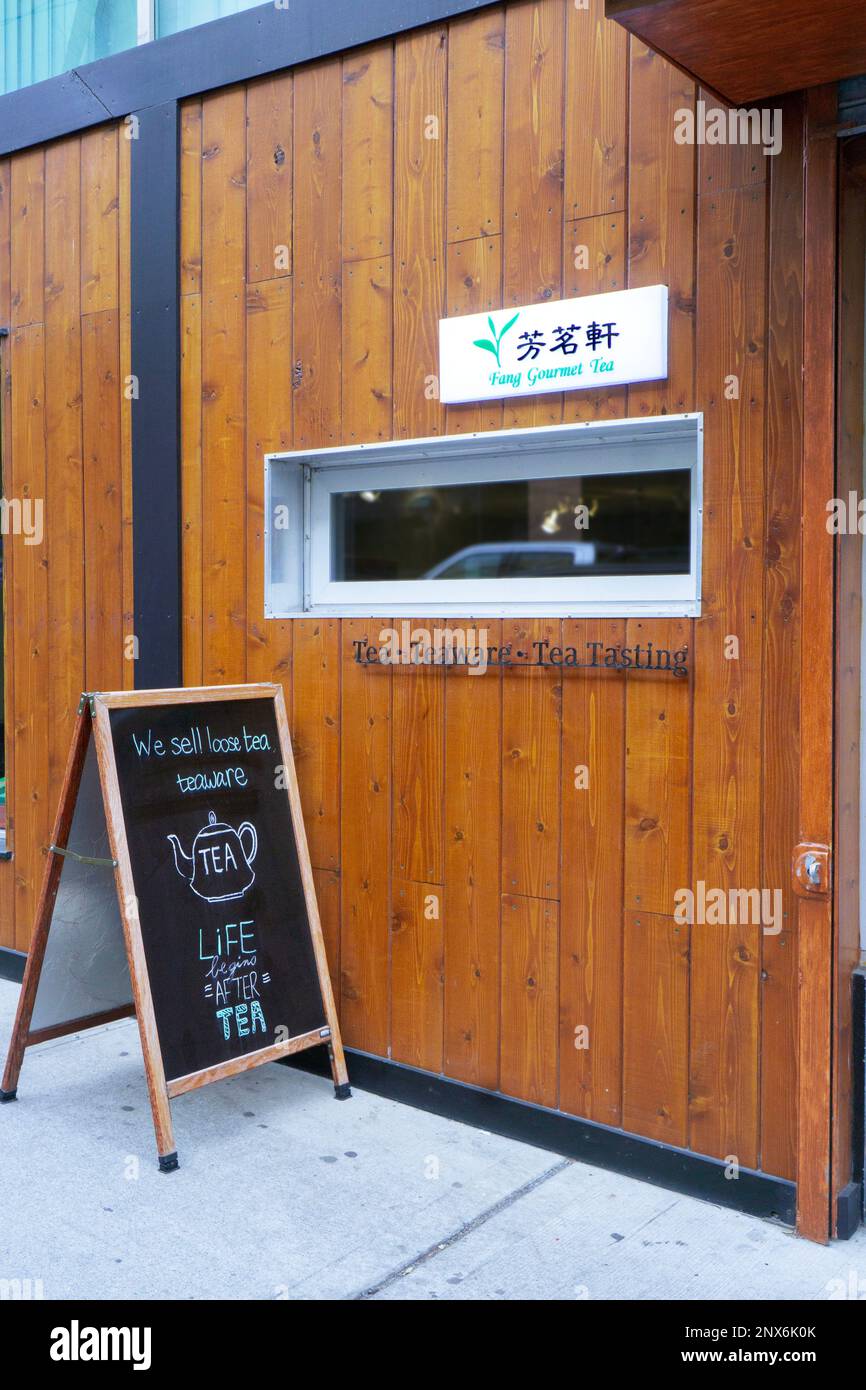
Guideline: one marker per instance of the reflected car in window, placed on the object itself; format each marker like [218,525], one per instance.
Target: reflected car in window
[529,559]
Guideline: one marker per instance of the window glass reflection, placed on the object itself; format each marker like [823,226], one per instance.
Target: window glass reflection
[174,15]
[43,38]
[613,524]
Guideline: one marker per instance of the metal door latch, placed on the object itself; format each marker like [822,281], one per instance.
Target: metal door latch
[811,870]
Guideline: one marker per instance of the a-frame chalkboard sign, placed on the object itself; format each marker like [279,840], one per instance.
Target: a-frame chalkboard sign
[209,932]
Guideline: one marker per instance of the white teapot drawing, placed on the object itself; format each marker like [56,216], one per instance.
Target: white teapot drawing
[220,866]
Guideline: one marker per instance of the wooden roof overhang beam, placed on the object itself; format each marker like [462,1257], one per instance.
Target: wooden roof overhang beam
[750,50]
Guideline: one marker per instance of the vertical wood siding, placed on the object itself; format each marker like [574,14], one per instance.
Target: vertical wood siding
[488,916]
[491,913]
[64,291]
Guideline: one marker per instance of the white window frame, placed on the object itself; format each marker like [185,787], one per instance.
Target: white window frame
[297,553]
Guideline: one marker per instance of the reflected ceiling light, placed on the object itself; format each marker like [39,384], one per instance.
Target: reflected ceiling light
[370,496]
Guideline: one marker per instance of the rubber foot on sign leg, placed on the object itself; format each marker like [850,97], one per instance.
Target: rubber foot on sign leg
[8,1095]
[168,1163]
[343,1091]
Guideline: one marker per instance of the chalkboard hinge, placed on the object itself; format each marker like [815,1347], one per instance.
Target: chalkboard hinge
[83,858]
[88,701]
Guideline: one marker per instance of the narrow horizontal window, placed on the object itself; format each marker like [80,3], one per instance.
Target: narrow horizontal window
[640,524]
[599,519]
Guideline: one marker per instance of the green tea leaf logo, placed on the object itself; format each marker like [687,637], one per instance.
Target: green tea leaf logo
[485,343]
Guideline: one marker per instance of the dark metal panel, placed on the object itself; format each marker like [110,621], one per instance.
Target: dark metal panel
[645,1159]
[858,1111]
[155,311]
[241,46]
[858,1029]
[47,110]
[849,1206]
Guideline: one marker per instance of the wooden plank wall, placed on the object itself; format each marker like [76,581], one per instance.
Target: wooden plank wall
[488,914]
[481,910]
[64,294]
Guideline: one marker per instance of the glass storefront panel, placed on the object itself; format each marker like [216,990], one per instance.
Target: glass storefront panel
[43,38]
[174,15]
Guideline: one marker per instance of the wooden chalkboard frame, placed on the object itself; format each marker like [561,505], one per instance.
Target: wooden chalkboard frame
[93,718]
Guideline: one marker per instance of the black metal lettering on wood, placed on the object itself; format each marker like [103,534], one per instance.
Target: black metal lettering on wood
[472,650]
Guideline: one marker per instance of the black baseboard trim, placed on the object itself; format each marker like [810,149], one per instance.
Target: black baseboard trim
[12,964]
[692,1174]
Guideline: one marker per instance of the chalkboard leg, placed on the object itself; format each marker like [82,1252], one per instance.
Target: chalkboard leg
[168,1163]
[8,1095]
[342,1089]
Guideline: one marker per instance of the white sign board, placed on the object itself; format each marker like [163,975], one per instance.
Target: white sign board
[567,345]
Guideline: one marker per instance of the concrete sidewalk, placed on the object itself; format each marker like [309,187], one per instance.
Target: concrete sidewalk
[283,1193]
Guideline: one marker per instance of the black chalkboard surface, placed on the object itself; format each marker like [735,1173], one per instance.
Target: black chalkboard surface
[213,889]
[216,873]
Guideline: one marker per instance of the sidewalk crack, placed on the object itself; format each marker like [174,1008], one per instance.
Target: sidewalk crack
[462,1232]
